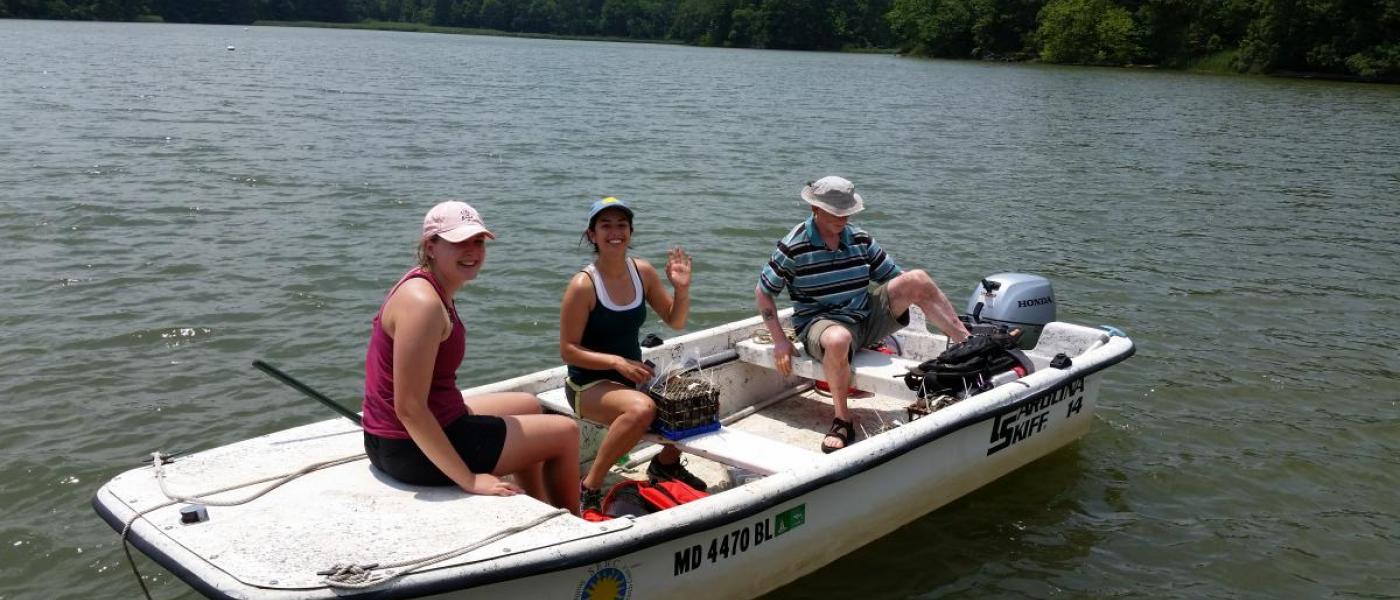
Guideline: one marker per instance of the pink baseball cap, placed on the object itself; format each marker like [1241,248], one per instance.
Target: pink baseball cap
[454,221]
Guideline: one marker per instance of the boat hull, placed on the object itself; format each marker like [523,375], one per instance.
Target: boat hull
[741,543]
[755,552]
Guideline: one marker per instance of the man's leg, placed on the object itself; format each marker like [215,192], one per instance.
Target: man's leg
[917,288]
[836,363]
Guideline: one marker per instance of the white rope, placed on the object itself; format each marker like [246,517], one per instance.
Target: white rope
[158,465]
[279,480]
[356,577]
[340,576]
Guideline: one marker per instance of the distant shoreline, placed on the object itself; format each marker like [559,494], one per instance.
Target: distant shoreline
[1216,64]
[422,28]
[1202,67]
[1211,68]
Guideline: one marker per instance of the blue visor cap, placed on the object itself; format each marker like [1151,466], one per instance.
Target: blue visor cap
[604,204]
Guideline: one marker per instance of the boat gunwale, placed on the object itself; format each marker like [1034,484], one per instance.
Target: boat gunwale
[643,537]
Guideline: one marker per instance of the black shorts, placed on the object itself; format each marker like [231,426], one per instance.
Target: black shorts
[478,439]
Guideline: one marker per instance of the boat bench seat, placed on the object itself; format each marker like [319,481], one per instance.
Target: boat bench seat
[873,371]
[726,445]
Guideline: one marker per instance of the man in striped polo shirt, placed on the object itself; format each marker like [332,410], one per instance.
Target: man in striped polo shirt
[846,292]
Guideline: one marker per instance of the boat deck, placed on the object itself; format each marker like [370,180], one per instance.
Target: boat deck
[350,513]
[785,433]
[802,420]
[798,421]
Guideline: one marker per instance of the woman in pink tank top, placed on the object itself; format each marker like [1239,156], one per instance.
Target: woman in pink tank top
[418,427]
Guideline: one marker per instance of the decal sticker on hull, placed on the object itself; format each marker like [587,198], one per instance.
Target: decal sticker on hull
[738,541]
[606,582]
[1020,422]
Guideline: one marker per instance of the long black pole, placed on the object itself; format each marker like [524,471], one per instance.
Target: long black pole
[303,388]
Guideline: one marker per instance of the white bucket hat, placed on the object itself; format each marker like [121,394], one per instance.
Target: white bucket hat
[835,195]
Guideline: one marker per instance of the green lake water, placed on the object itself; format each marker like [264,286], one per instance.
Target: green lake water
[171,210]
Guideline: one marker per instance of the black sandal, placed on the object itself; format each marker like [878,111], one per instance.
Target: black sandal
[841,429]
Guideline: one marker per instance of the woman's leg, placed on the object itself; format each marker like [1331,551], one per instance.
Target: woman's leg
[503,404]
[627,413]
[552,440]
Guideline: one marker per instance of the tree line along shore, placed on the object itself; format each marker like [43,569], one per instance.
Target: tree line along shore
[1345,39]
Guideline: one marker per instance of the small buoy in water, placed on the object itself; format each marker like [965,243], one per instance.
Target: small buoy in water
[230,48]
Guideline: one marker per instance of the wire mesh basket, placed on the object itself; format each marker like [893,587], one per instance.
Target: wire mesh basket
[686,405]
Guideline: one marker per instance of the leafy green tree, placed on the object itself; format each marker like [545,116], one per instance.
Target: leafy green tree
[1002,29]
[29,9]
[1173,32]
[643,19]
[418,11]
[1162,26]
[616,14]
[1347,36]
[463,13]
[935,27]
[655,20]
[357,10]
[862,23]
[1380,61]
[538,16]
[570,19]
[242,12]
[442,12]
[497,14]
[702,22]
[277,10]
[206,11]
[334,11]
[746,28]
[1085,32]
[798,24]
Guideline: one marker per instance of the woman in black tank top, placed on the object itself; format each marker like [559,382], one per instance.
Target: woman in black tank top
[599,322]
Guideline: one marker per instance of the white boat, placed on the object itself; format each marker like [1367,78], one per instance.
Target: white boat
[789,510]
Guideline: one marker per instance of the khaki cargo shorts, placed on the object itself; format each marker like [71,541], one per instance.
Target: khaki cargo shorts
[878,326]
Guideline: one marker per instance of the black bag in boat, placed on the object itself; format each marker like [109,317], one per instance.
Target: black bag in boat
[966,367]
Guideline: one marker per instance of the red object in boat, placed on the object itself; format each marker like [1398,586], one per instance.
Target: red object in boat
[823,386]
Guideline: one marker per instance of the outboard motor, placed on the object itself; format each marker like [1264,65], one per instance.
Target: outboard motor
[1013,300]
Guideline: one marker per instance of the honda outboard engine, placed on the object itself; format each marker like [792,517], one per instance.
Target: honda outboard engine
[1013,300]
